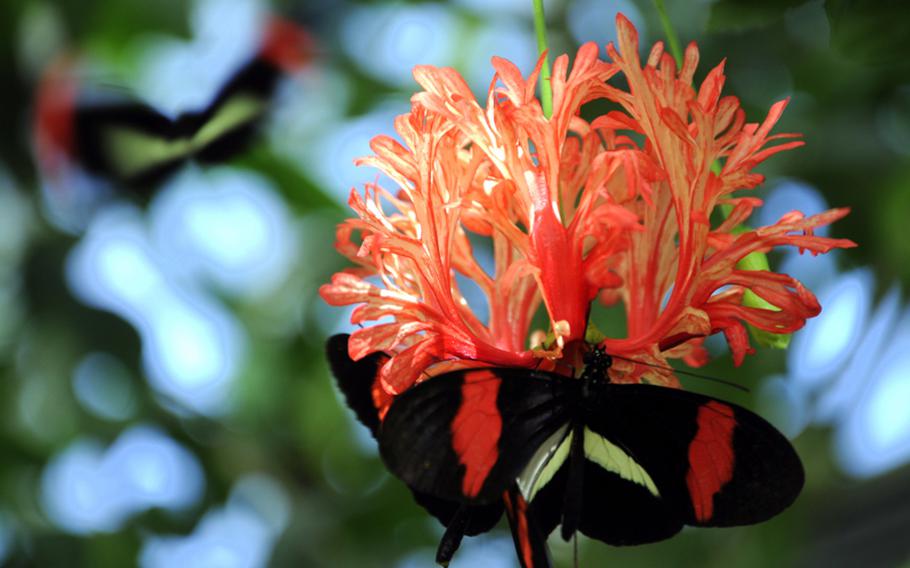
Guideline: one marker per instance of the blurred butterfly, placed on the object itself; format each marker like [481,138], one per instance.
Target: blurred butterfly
[134,145]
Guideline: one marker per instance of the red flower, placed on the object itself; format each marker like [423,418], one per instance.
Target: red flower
[679,253]
[573,211]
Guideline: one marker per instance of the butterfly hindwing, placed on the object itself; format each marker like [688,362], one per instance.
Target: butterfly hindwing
[620,504]
[767,474]
[530,540]
[466,435]
[656,459]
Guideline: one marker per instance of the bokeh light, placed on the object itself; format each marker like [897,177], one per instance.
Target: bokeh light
[503,37]
[225,227]
[875,436]
[332,160]
[177,76]
[824,346]
[387,41]
[589,20]
[87,489]
[7,534]
[238,535]
[192,347]
[841,395]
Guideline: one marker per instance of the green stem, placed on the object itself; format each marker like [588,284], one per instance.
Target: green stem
[672,40]
[546,89]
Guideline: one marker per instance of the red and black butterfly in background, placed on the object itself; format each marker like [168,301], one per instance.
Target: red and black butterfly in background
[133,145]
[622,463]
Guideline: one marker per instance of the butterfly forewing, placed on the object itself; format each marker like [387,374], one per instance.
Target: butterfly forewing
[715,462]
[356,381]
[128,141]
[467,435]
[229,123]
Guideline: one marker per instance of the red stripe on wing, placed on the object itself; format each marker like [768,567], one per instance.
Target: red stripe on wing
[55,103]
[286,45]
[711,457]
[518,516]
[476,429]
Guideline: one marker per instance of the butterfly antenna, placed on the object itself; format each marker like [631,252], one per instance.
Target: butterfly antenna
[689,373]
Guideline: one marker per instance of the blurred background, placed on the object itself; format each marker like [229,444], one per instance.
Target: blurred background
[165,400]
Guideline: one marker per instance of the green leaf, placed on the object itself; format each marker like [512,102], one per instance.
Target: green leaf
[593,335]
[859,33]
[757,261]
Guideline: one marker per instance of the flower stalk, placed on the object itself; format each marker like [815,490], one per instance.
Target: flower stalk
[540,30]
[669,32]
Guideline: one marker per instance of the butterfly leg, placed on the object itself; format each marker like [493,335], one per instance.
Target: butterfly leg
[451,539]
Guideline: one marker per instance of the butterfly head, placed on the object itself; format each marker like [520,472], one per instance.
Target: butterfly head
[597,362]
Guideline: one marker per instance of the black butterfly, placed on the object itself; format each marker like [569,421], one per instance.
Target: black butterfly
[625,464]
[136,146]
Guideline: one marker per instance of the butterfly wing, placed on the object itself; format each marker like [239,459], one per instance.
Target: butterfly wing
[230,123]
[356,381]
[103,134]
[136,146]
[467,435]
[128,142]
[616,501]
[717,463]
[530,540]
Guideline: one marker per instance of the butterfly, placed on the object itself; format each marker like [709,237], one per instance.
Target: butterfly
[136,146]
[625,464]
